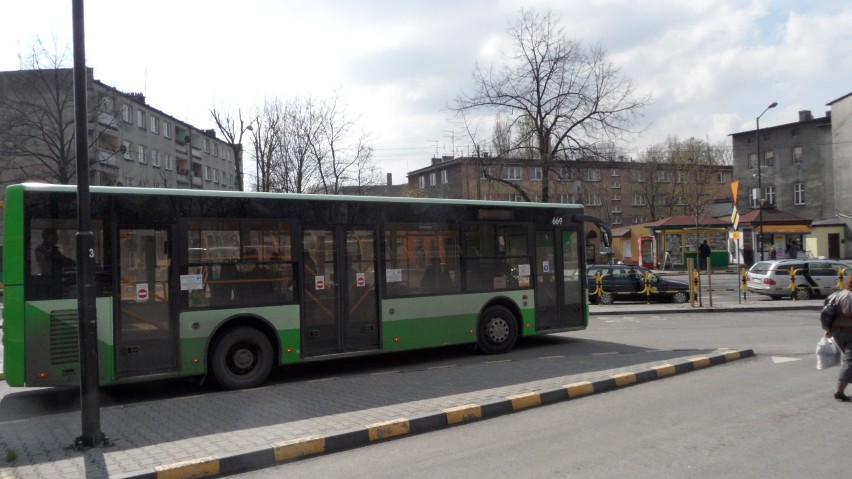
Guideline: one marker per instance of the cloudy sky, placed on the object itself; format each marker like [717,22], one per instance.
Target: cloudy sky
[711,66]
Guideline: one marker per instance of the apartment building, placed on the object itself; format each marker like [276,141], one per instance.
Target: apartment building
[622,192]
[131,142]
[805,170]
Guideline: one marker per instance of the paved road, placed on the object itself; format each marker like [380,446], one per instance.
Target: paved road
[160,424]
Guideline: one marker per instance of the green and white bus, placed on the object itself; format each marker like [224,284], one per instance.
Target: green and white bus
[229,285]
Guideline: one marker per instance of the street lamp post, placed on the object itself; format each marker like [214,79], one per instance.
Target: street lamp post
[760,182]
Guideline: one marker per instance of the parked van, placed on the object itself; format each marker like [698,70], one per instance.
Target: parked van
[814,277]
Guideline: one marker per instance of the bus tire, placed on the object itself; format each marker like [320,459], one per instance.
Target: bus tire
[497,330]
[242,358]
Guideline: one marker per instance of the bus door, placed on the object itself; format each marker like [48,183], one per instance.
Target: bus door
[559,287]
[339,291]
[146,331]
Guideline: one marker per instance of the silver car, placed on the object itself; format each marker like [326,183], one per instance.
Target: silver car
[814,277]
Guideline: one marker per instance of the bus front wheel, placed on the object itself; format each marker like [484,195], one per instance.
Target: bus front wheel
[498,330]
[242,358]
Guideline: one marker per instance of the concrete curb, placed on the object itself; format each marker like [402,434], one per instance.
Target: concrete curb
[620,310]
[312,446]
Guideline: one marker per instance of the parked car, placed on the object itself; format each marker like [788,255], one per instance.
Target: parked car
[627,283]
[814,277]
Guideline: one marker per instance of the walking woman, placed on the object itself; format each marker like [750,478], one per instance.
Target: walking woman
[841,330]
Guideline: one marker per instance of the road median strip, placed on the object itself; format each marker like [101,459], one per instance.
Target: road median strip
[314,445]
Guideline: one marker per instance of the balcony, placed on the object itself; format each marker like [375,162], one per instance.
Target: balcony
[183,178]
[196,182]
[107,158]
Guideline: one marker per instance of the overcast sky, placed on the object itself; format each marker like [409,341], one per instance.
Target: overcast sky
[711,66]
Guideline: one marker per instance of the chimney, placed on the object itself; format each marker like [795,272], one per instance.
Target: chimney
[805,115]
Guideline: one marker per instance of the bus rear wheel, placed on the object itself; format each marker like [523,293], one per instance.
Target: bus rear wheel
[242,358]
[498,330]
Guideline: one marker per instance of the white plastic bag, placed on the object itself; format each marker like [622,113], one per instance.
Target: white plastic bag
[828,354]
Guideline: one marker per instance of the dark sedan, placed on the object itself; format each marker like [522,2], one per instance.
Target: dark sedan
[633,283]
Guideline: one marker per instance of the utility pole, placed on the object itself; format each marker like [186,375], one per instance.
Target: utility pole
[85,243]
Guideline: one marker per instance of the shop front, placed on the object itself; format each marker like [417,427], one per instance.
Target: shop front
[780,236]
[678,240]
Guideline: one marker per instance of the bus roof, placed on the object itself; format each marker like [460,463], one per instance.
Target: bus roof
[125,190]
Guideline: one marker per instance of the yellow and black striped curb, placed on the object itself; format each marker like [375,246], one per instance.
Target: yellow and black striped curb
[310,446]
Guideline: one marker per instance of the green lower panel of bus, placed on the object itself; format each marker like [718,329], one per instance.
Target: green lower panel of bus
[429,332]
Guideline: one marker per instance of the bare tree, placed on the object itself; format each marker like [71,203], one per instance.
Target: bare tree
[37,118]
[343,152]
[563,97]
[233,130]
[696,162]
[266,141]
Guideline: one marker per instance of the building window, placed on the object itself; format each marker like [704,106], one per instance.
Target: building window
[128,150]
[155,158]
[140,118]
[592,174]
[421,182]
[513,173]
[486,196]
[593,199]
[484,174]
[769,191]
[515,197]
[639,199]
[752,161]
[723,178]
[682,177]
[155,125]
[206,145]
[215,175]
[168,162]
[799,194]
[565,174]
[126,113]
[433,179]
[566,199]
[638,176]
[615,172]
[753,200]
[140,154]
[615,184]
[661,199]
[616,197]
[167,129]
[444,179]
[207,173]
[661,176]
[798,155]
[616,219]
[535,173]
[769,158]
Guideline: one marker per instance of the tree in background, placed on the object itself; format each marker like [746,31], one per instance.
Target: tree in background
[308,145]
[37,118]
[561,97]
[233,129]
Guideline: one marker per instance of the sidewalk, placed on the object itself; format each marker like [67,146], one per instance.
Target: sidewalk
[753,303]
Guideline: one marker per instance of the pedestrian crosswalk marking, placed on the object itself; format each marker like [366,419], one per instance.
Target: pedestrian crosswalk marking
[779,359]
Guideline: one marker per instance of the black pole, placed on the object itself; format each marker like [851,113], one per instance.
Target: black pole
[86,308]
